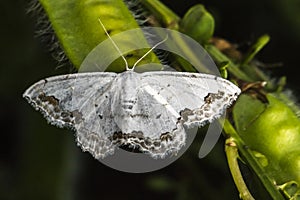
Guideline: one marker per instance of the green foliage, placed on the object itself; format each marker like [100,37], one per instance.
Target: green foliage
[77,27]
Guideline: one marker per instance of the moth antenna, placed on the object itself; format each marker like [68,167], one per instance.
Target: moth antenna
[139,60]
[115,45]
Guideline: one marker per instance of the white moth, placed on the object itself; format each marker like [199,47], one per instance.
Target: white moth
[146,111]
[143,110]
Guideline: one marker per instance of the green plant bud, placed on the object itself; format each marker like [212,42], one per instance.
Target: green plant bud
[198,23]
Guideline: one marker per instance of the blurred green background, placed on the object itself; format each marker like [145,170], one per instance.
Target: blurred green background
[39,161]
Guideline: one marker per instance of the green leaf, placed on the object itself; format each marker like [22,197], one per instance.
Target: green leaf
[76,25]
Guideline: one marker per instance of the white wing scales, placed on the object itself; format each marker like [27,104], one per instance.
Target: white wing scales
[70,101]
[146,111]
[198,98]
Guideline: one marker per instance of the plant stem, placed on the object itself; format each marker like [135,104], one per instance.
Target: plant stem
[231,151]
[247,154]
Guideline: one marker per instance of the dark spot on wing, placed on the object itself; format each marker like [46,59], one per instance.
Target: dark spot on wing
[56,109]
[185,113]
[65,114]
[78,116]
[46,81]
[136,142]
[127,107]
[54,112]
[212,96]
[166,136]
[130,101]
[208,99]
[139,116]
[49,99]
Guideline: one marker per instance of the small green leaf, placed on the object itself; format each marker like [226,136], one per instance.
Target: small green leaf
[223,69]
[255,48]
